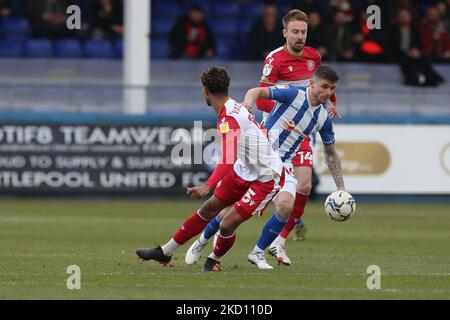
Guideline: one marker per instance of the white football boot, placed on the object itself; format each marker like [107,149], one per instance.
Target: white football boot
[278,251]
[194,252]
[259,259]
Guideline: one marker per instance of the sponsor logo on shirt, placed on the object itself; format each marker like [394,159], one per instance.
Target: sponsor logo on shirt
[224,127]
[267,69]
[289,125]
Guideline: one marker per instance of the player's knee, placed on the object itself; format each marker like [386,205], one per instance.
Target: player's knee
[304,187]
[284,207]
[227,227]
[208,210]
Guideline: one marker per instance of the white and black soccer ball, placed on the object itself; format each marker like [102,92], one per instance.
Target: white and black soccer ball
[340,206]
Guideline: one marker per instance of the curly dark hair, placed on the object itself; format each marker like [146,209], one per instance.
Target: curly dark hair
[216,80]
[327,73]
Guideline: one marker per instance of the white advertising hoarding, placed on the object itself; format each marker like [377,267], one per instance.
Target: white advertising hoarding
[389,159]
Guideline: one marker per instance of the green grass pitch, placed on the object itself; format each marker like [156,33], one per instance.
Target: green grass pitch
[40,239]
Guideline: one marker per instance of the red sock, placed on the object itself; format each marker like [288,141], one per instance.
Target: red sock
[224,244]
[191,227]
[299,207]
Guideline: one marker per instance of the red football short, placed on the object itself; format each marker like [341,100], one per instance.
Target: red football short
[304,155]
[248,197]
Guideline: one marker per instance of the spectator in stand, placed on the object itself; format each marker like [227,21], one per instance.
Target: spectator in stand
[395,6]
[265,35]
[444,13]
[191,36]
[343,6]
[48,18]
[106,19]
[434,37]
[317,34]
[339,38]
[369,44]
[5,8]
[306,6]
[404,41]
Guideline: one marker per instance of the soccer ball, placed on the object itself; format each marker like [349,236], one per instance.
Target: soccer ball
[340,206]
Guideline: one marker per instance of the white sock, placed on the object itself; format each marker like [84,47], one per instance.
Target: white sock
[257,249]
[170,247]
[213,256]
[202,239]
[279,241]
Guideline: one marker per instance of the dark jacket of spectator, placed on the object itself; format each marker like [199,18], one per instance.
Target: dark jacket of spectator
[48,18]
[404,42]
[191,36]
[317,34]
[106,19]
[339,39]
[435,38]
[265,35]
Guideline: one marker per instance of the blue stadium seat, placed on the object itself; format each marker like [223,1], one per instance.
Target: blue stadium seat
[253,10]
[160,49]
[244,28]
[11,48]
[226,10]
[225,50]
[15,26]
[39,48]
[101,49]
[118,49]
[166,9]
[161,27]
[68,48]
[202,3]
[227,29]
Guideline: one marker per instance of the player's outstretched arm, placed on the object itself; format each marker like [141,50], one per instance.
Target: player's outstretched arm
[253,94]
[334,165]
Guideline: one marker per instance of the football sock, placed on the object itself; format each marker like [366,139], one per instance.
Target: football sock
[271,230]
[170,247]
[299,208]
[224,244]
[279,240]
[191,227]
[211,229]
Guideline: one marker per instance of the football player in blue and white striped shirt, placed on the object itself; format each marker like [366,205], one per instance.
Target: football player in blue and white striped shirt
[299,112]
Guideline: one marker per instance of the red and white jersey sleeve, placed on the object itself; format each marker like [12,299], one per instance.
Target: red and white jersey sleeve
[270,76]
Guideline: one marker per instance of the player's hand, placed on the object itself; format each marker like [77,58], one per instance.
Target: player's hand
[199,191]
[333,110]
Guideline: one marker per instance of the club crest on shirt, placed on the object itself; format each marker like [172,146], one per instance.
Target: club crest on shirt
[289,125]
[310,64]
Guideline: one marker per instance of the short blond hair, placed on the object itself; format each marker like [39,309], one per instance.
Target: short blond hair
[295,14]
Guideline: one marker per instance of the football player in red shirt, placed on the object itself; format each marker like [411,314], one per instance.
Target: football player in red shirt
[250,175]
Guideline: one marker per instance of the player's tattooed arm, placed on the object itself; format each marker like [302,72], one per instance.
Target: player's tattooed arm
[334,165]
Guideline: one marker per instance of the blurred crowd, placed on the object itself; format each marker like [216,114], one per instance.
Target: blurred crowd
[337,28]
[414,30]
